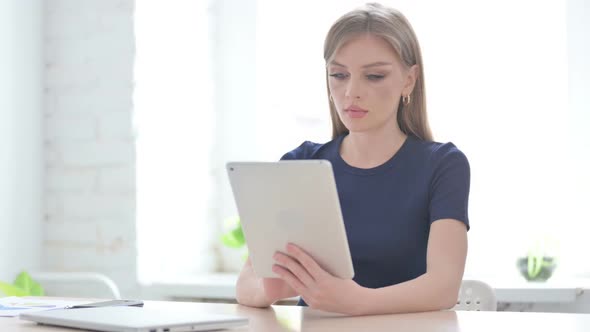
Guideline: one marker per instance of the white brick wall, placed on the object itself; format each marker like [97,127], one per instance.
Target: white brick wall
[89,139]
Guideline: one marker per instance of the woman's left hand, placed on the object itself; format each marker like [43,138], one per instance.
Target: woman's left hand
[318,288]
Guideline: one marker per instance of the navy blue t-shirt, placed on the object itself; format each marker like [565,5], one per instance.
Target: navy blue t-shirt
[388,209]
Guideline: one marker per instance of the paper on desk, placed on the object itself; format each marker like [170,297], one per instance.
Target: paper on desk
[14,306]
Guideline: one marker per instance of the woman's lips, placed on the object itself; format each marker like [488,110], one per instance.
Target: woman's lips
[356,112]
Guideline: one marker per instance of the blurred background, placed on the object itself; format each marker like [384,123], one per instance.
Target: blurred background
[118,116]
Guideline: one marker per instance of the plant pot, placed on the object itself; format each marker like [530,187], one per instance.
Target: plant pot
[542,273]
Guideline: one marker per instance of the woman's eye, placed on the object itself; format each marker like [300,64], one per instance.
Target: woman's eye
[373,77]
[338,76]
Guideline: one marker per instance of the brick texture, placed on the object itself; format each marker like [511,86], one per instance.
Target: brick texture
[89,139]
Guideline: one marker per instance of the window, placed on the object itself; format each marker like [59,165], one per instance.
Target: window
[175,122]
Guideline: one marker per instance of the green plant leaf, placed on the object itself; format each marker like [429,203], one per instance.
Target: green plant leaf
[234,237]
[534,264]
[11,290]
[37,290]
[238,234]
[229,240]
[24,282]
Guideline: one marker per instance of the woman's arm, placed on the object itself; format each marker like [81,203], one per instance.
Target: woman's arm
[260,292]
[438,288]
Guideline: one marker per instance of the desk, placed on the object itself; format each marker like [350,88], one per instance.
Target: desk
[291,318]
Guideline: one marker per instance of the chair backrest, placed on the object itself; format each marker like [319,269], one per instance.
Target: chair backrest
[77,284]
[476,295]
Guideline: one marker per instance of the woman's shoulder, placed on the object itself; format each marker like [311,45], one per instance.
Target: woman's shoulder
[438,152]
[309,150]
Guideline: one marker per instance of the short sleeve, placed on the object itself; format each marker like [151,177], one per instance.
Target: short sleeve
[306,150]
[449,188]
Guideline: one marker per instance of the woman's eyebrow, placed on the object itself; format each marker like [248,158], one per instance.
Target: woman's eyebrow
[373,64]
[378,64]
[334,63]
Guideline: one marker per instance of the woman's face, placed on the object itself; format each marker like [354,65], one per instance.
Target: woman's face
[366,80]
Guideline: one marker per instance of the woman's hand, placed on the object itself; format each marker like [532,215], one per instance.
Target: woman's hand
[318,288]
[277,289]
[258,292]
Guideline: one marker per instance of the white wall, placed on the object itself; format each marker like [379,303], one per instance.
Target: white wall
[579,67]
[579,86]
[20,135]
[578,193]
[89,139]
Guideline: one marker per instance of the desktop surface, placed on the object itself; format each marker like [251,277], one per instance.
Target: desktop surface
[293,318]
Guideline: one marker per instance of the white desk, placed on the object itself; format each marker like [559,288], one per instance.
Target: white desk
[292,319]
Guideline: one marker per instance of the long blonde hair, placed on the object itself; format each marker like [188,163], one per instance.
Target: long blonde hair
[393,27]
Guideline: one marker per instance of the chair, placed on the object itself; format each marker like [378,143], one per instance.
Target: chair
[476,295]
[77,284]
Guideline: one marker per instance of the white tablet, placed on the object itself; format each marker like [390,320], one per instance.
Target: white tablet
[291,201]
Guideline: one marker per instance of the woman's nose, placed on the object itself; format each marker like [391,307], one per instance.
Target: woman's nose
[354,89]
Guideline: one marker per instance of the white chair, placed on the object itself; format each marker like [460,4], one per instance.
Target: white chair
[476,295]
[77,284]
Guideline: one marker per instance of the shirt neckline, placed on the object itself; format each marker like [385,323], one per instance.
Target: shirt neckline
[369,171]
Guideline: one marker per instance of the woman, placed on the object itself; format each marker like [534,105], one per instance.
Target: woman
[403,196]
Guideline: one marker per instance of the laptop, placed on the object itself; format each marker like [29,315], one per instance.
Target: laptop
[135,319]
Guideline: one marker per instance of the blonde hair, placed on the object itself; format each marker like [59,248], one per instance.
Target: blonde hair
[393,27]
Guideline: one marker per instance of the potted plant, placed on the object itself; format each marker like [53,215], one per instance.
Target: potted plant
[233,237]
[537,265]
[23,285]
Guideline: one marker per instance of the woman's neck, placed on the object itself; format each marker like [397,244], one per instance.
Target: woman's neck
[371,149]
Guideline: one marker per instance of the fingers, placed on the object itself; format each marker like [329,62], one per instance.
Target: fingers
[289,278]
[310,265]
[300,271]
[295,268]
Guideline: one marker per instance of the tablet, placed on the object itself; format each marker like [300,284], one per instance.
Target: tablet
[294,201]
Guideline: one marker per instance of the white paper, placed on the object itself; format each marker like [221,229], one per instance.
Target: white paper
[14,306]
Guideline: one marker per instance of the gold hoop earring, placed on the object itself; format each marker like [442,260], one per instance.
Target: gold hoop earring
[406,99]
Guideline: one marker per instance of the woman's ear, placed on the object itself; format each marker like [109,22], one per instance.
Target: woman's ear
[411,76]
